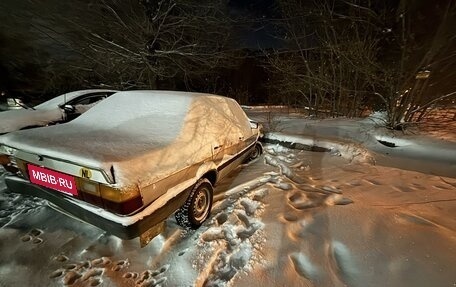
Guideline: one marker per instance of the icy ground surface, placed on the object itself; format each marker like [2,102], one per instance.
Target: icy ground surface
[290,218]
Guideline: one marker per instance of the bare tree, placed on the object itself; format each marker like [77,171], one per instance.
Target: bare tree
[331,54]
[135,44]
[412,86]
[342,57]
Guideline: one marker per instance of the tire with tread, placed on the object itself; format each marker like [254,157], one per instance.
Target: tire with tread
[198,206]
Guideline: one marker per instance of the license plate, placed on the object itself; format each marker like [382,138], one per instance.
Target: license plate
[52,179]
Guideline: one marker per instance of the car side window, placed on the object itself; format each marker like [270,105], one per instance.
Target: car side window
[89,100]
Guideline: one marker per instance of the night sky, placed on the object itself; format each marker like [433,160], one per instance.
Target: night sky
[261,33]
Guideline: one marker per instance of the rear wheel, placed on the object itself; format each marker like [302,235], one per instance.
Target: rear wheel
[257,151]
[197,207]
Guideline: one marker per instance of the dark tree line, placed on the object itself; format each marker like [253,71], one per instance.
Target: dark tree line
[333,57]
[130,44]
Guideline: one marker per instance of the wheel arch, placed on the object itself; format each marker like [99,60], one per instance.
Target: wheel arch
[211,176]
[258,144]
[208,170]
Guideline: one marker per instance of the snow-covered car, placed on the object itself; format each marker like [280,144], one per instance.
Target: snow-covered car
[134,159]
[60,109]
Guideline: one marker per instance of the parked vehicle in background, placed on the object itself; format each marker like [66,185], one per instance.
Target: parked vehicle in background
[60,109]
[133,160]
[15,104]
[8,102]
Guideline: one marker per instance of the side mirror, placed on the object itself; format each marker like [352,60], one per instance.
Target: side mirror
[69,108]
[253,125]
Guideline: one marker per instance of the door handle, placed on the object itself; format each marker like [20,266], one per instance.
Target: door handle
[219,146]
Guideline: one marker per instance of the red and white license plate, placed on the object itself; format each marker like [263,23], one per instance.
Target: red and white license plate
[52,179]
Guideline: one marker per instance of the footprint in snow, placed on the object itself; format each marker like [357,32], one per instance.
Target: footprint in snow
[299,200]
[70,266]
[344,263]
[35,232]
[95,282]
[120,265]
[289,217]
[26,238]
[221,218]
[56,273]
[337,199]
[92,273]
[32,236]
[237,228]
[182,252]
[61,258]
[37,240]
[303,266]
[71,277]
[101,261]
[148,277]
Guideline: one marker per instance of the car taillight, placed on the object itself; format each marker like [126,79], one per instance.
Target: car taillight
[121,201]
[88,186]
[9,163]
[4,159]
[89,191]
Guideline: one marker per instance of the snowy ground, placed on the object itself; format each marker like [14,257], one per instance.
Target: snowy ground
[290,218]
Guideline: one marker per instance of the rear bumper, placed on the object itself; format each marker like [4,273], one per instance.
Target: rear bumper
[70,206]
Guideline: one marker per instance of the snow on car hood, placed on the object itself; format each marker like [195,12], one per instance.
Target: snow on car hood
[143,135]
[17,119]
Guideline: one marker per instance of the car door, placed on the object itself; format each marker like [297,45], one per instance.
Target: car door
[236,139]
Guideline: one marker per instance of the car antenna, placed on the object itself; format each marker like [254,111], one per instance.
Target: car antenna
[64,104]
